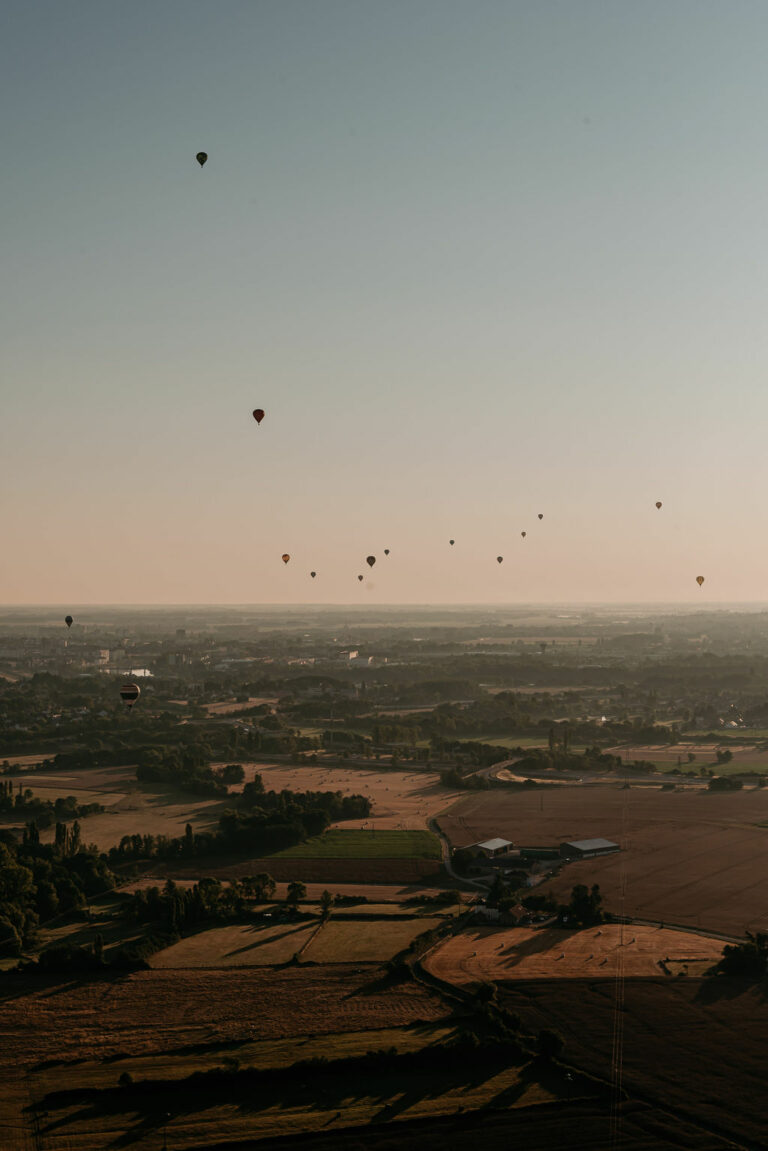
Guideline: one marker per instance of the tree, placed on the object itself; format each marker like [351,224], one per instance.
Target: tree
[584,908]
[296,892]
[549,1044]
[233,773]
[326,903]
[723,755]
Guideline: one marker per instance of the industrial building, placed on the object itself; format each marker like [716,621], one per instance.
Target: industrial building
[588,848]
[492,847]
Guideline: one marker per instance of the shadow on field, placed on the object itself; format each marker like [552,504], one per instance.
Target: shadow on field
[546,940]
[269,939]
[727,987]
[143,1108]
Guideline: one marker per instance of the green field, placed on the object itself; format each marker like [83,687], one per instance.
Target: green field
[342,844]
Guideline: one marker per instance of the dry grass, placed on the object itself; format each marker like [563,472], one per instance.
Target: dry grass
[238,946]
[596,952]
[348,942]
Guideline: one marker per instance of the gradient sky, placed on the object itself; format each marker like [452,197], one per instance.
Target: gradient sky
[476,260]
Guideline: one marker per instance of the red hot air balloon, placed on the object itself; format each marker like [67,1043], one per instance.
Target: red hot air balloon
[129,693]
[370,560]
[258,415]
[68,620]
[201,157]
[285,557]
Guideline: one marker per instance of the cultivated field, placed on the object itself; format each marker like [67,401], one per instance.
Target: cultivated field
[694,858]
[400,799]
[368,844]
[357,941]
[237,946]
[596,952]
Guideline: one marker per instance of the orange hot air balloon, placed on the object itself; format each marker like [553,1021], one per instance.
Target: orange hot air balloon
[699,580]
[658,503]
[370,560]
[360,578]
[258,415]
[68,620]
[285,557]
[523,534]
[499,559]
[541,515]
[129,693]
[201,157]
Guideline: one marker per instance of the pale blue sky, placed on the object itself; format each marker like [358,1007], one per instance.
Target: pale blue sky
[476,261]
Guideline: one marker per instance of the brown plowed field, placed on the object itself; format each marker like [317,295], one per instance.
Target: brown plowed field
[695,1048]
[154,1011]
[693,858]
[527,953]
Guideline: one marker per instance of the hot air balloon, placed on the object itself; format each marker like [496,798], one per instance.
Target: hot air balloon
[386,551]
[313,574]
[360,578]
[658,503]
[129,693]
[523,534]
[451,542]
[699,580]
[370,560]
[258,415]
[285,557]
[201,158]
[499,559]
[68,620]
[541,515]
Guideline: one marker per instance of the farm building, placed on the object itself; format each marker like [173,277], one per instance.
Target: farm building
[587,848]
[492,847]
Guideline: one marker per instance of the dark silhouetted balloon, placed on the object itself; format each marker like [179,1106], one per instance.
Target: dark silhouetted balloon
[699,580]
[68,620]
[201,158]
[285,557]
[386,551]
[360,578]
[541,515]
[523,534]
[658,503]
[499,559]
[370,560]
[258,415]
[451,542]
[129,693]
[313,574]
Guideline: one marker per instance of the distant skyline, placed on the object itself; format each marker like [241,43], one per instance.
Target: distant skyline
[476,262]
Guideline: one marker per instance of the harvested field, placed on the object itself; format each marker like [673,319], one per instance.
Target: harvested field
[596,952]
[331,873]
[691,1047]
[161,1010]
[694,858]
[400,799]
[349,942]
[237,946]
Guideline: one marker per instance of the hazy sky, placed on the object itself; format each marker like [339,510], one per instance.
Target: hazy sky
[476,260]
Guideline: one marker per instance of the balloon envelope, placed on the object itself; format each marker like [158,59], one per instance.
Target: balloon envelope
[360,578]
[313,574]
[541,515]
[68,620]
[451,542]
[386,551]
[201,158]
[258,415]
[699,580]
[285,557]
[129,693]
[523,534]
[499,559]
[658,503]
[370,560]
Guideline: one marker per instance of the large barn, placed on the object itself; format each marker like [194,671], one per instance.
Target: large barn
[587,848]
[492,847]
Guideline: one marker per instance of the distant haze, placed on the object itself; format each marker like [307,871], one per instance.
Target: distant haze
[475,261]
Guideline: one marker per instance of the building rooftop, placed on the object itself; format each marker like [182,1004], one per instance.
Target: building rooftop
[494,844]
[591,844]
